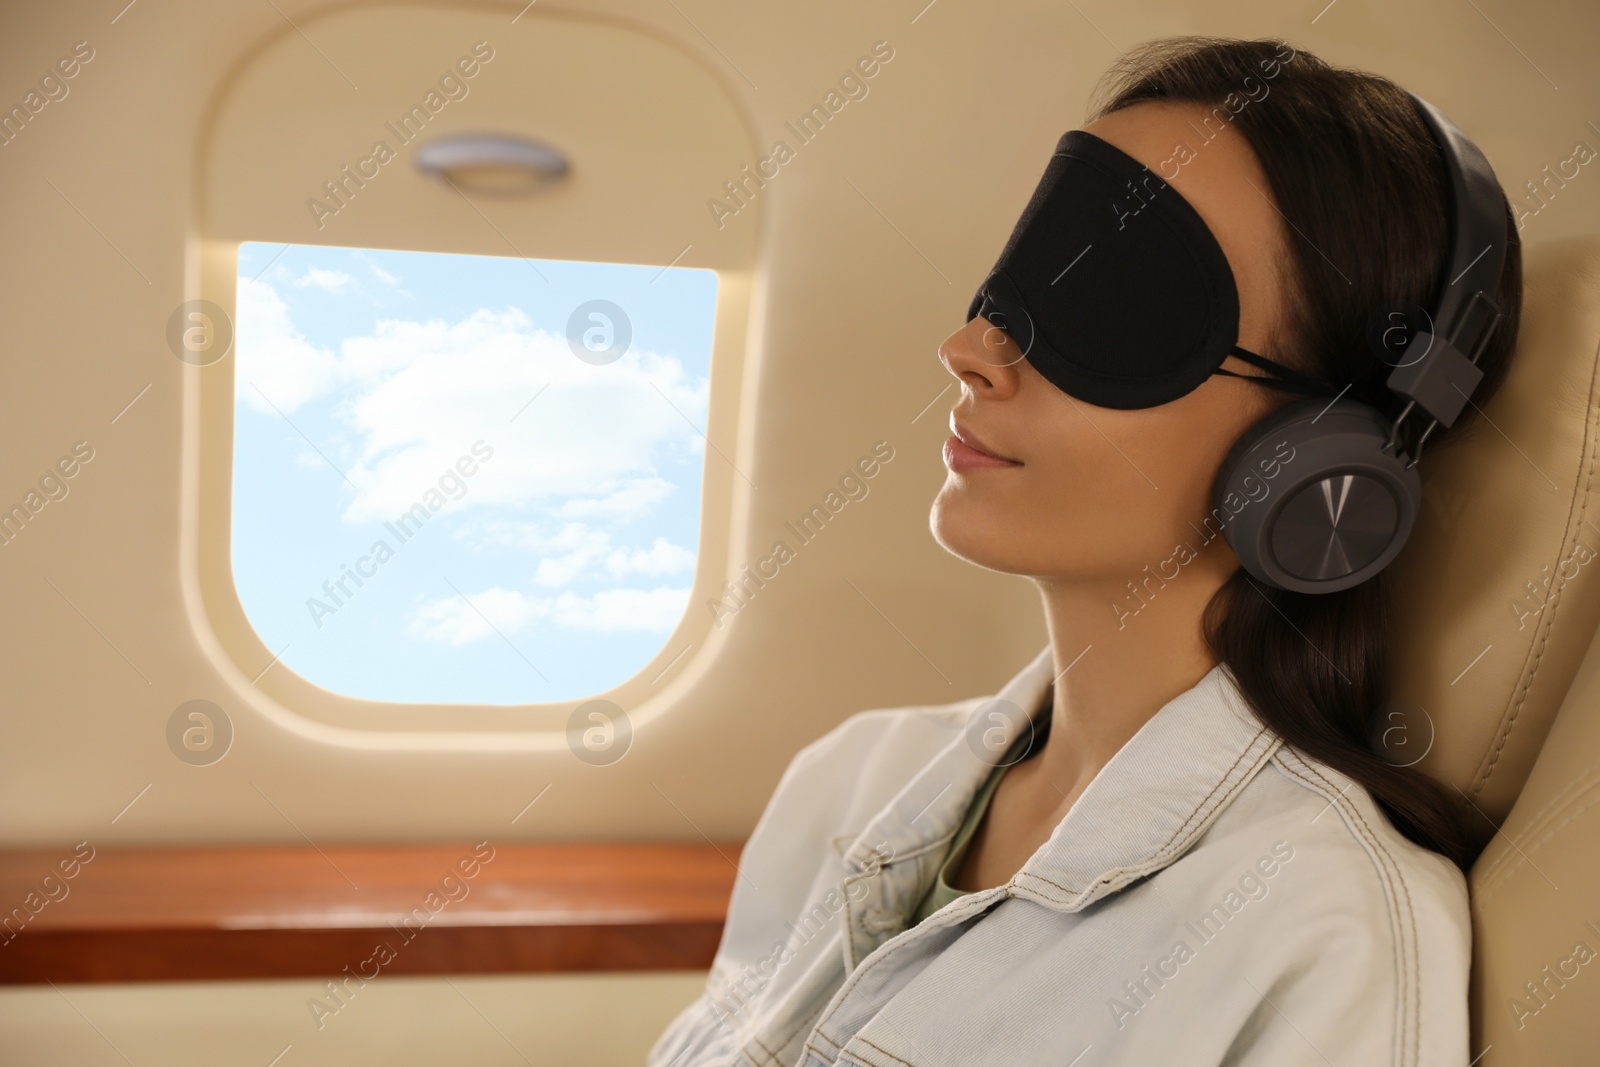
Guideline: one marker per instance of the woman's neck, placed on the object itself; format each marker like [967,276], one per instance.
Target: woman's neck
[1113,674]
[1114,670]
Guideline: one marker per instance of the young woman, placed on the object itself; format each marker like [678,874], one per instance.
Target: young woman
[1171,838]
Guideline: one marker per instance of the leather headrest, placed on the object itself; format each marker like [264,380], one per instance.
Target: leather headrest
[1495,593]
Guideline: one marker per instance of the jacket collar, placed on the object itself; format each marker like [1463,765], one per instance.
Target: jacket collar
[1143,810]
[928,810]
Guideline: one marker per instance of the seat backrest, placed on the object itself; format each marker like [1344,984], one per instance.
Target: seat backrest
[1497,601]
[1536,901]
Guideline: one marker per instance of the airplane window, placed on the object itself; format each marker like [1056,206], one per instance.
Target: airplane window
[466,479]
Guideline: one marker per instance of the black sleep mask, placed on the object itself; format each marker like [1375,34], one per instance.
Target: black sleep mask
[1114,287]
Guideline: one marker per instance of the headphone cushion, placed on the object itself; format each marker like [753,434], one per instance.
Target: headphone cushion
[1310,502]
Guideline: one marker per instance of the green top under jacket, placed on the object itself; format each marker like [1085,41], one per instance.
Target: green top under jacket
[942,892]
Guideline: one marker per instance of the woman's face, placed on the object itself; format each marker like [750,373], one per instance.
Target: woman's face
[1097,493]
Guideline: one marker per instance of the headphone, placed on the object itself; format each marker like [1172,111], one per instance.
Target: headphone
[1340,506]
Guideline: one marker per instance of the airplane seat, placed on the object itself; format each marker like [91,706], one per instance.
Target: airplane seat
[1497,665]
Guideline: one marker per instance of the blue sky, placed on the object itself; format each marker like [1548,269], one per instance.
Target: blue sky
[554,501]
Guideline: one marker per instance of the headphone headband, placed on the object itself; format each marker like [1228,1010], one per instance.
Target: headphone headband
[1478,244]
[1341,499]
[1464,312]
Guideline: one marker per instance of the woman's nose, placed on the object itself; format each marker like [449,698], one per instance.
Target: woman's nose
[983,357]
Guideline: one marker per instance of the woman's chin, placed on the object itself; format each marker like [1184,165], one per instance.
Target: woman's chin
[965,534]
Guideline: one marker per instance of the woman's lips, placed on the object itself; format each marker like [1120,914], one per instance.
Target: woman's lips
[963,452]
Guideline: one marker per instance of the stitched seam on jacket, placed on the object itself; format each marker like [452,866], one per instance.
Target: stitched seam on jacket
[854,978]
[885,1051]
[1398,877]
[860,920]
[815,1022]
[1546,619]
[1186,822]
[748,1050]
[771,1056]
[1220,783]
[809,1047]
[811,1024]
[1411,995]
[879,1048]
[926,846]
[829,1040]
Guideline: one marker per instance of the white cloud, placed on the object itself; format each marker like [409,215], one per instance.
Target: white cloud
[582,547]
[332,281]
[652,610]
[415,396]
[635,498]
[452,621]
[382,275]
[662,557]
[428,390]
[590,449]
[578,551]
[276,362]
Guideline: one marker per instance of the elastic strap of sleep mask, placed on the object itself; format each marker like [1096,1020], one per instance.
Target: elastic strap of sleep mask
[1287,377]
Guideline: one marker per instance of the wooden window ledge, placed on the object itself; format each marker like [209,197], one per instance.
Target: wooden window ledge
[177,914]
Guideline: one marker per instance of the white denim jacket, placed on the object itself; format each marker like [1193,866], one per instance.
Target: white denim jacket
[1213,897]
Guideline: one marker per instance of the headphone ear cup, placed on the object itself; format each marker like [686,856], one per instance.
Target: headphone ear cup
[1310,502]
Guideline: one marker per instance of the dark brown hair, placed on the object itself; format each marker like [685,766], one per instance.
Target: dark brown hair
[1363,188]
